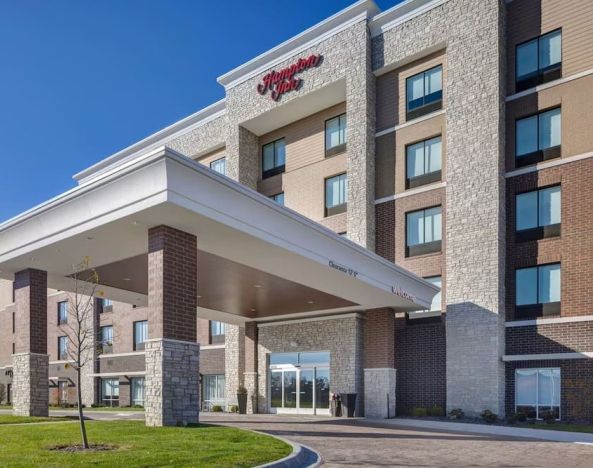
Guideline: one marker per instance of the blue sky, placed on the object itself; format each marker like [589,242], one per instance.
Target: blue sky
[82,79]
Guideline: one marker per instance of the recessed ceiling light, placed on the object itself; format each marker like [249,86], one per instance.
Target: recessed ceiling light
[310,302]
[90,238]
[199,297]
[257,285]
[127,279]
[252,310]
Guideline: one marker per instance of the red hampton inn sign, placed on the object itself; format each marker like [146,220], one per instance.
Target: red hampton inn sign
[280,82]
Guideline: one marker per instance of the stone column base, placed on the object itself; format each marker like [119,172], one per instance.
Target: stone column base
[250,379]
[30,385]
[379,393]
[172,382]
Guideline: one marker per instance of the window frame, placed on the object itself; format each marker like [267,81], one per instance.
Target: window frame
[112,399]
[62,320]
[106,307]
[539,309]
[426,247]
[64,356]
[274,198]
[550,73]
[425,108]
[426,177]
[216,338]
[138,346]
[213,163]
[335,209]
[538,155]
[277,169]
[106,348]
[133,383]
[537,405]
[340,147]
[540,231]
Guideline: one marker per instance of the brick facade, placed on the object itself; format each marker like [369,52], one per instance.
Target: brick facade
[550,338]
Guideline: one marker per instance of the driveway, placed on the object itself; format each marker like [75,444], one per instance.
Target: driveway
[358,443]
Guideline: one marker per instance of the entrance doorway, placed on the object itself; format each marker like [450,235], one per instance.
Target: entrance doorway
[299,383]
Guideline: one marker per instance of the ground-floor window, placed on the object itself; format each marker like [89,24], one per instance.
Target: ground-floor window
[138,391]
[110,392]
[537,391]
[300,382]
[62,392]
[213,391]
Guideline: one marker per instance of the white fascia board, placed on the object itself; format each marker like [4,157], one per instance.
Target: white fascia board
[401,13]
[155,140]
[361,10]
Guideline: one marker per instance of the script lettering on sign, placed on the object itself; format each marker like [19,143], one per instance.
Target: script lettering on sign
[402,293]
[280,82]
[343,269]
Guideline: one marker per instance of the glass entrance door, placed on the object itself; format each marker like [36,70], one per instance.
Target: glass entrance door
[298,384]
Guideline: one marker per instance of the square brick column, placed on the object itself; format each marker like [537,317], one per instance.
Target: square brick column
[172,352]
[250,374]
[30,363]
[379,364]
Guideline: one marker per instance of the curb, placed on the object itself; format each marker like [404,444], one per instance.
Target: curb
[300,457]
[541,434]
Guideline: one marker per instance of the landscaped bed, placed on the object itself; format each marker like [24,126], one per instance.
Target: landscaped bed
[132,443]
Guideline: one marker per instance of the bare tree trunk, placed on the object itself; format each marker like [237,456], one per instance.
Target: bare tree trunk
[85,442]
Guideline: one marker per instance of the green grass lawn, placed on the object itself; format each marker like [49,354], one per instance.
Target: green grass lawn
[11,419]
[561,427]
[138,445]
[5,406]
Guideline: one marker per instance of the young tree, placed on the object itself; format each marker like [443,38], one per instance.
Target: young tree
[82,334]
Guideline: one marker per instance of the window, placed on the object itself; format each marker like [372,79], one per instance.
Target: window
[110,392]
[537,291]
[138,391]
[538,137]
[424,93]
[435,307]
[216,332]
[62,348]
[336,194]
[213,391]
[335,135]
[62,312]
[278,198]
[107,339]
[537,391]
[423,231]
[273,158]
[538,213]
[423,162]
[539,60]
[140,334]
[219,166]
[107,305]
[62,392]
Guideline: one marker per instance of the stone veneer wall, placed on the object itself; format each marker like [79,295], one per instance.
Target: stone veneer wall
[473,35]
[30,384]
[172,381]
[342,337]
[234,360]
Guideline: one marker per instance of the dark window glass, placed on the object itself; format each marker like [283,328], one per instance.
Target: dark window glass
[140,334]
[539,60]
[336,194]
[424,92]
[273,158]
[62,312]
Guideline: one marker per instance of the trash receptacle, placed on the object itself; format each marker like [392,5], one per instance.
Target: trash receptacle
[348,404]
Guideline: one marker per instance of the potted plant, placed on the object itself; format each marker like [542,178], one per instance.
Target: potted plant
[242,399]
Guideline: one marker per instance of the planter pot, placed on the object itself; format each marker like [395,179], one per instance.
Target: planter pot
[242,402]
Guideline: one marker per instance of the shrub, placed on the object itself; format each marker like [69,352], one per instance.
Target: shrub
[456,413]
[436,410]
[233,408]
[489,416]
[217,409]
[549,417]
[420,412]
[521,416]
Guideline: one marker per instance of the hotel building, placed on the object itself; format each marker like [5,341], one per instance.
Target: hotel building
[393,204]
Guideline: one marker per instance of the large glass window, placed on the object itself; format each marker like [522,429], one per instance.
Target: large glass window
[138,391]
[424,92]
[539,60]
[423,231]
[273,158]
[538,286]
[538,137]
[539,209]
[107,339]
[62,312]
[213,391]
[140,334]
[423,162]
[336,194]
[335,135]
[219,166]
[62,348]
[298,359]
[216,332]
[110,392]
[537,391]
